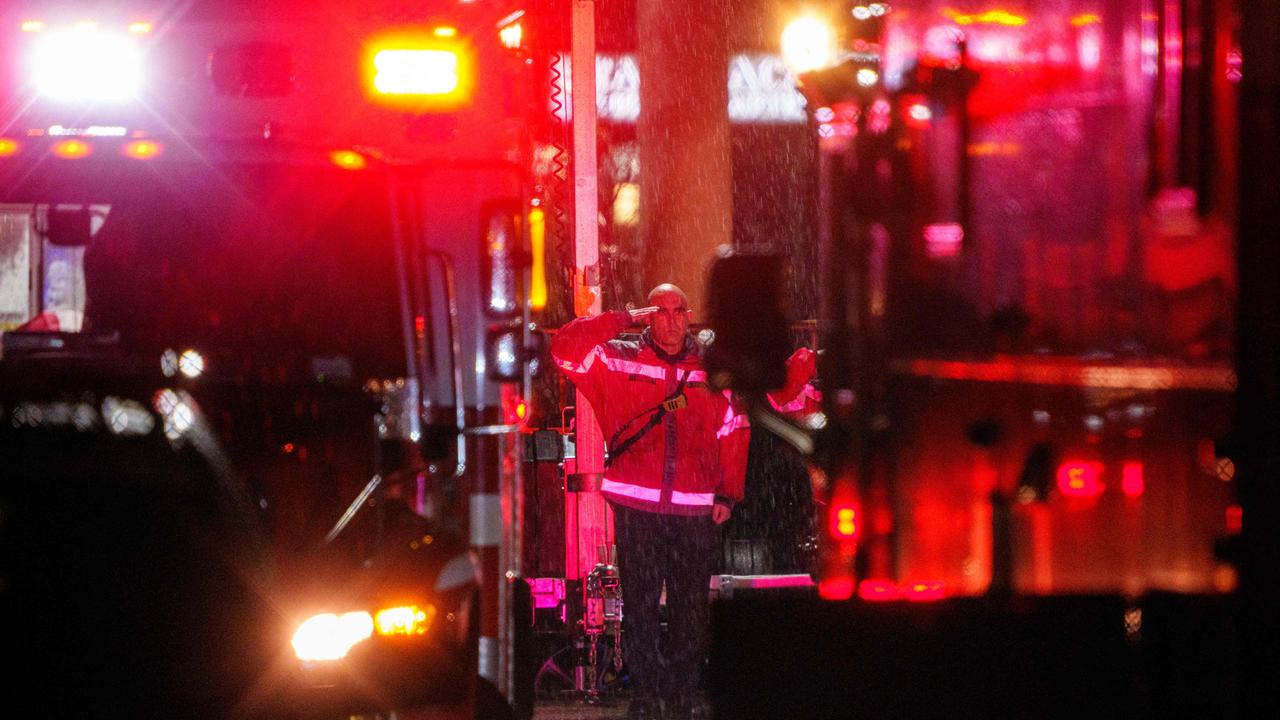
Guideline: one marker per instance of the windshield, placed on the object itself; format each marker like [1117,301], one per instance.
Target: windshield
[269,271]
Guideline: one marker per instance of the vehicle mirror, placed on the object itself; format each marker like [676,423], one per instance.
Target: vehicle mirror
[752,341]
[69,228]
[503,261]
[504,353]
[508,352]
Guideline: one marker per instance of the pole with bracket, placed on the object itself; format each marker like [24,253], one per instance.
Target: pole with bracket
[586,516]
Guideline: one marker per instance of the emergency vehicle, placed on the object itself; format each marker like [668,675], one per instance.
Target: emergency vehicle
[1025,455]
[276,255]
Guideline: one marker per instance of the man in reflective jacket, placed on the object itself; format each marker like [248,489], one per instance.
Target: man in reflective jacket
[675,468]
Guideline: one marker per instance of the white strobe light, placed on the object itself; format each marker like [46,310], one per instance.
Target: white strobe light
[85,64]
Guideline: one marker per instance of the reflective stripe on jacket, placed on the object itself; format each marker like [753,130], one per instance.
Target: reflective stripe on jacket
[696,456]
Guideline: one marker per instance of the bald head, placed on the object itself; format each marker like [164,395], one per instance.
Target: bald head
[667,289]
[669,322]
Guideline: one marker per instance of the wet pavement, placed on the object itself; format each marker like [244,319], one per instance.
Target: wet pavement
[571,708]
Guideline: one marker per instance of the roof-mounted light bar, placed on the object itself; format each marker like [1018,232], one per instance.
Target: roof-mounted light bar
[90,131]
[84,63]
[415,72]
[419,71]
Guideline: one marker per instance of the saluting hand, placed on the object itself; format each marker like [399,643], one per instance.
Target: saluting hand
[640,315]
[584,297]
[802,366]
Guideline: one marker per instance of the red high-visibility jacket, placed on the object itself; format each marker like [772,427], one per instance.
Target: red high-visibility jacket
[694,458]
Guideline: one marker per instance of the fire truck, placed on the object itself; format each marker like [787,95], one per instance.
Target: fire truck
[267,300]
[1027,450]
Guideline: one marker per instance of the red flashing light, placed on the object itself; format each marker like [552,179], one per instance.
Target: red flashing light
[836,588]
[1206,453]
[9,146]
[879,590]
[1234,72]
[880,115]
[1080,478]
[1235,519]
[844,524]
[943,240]
[922,591]
[846,521]
[514,407]
[1131,479]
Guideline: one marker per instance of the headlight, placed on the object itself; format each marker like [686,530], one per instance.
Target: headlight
[330,637]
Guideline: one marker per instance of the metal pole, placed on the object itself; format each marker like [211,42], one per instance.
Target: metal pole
[586,519]
[589,443]
[586,236]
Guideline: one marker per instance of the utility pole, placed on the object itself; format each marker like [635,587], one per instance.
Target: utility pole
[587,526]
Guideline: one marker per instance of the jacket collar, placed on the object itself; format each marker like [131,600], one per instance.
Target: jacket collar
[687,351]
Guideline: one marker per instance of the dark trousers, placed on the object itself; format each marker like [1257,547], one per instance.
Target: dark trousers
[678,549]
